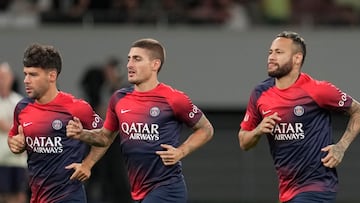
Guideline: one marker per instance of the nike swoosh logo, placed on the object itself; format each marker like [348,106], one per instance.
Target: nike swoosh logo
[27,124]
[266,112]
[124,110]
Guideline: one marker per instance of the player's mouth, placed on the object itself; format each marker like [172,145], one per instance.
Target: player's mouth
[271,65]
[131,73]
[28,90]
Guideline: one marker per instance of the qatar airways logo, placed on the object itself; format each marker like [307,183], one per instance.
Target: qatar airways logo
[141,131]
[45,145]
[288,131]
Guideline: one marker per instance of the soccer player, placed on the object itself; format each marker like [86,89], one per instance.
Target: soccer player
[293,110]
[39,127]
[149,116]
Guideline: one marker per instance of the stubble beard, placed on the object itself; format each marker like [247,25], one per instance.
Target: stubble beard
[34,95]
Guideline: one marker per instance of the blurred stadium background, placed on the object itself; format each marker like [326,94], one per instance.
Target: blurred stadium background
[216,52]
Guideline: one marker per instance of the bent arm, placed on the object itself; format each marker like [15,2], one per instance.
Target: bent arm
[353,126]
[95,154]
[336,151]
[248,139]
[98,137]
[203,132]
[82,171]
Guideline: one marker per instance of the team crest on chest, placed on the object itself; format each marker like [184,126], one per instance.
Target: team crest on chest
[56,124]
[299,110]
[154,111]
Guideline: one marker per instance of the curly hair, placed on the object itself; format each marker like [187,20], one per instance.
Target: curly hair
[42,56]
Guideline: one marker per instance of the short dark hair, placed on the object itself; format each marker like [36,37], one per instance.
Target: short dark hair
[42,56]
[297,40]
[154,46]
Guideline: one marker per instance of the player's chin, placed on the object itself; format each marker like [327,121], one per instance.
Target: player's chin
[132,80]
[271,69]
[29,92]
[31,95]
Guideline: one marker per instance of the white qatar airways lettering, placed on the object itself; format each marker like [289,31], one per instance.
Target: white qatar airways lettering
[48,145]
[288,131]
[141,131]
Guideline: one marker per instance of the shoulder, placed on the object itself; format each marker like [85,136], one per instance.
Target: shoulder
[65,97]
[314,85]
[125,90]
[22,104]
[72,103]
[175,98]
[266,84]
[118,94]
[263,86]
[173,95]
[325,93]
[25,101]
[169,90]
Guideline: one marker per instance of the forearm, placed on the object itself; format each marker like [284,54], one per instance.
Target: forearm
[353,126]
[95,154]
[248,139]
[95,137]
[352,130]
[197,139]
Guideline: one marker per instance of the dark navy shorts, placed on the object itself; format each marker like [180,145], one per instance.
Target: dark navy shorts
[314,197]
[13,179]
[174,193]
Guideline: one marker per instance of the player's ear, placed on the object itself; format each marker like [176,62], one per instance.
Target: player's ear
[298,57]
[156,64]
[53,75]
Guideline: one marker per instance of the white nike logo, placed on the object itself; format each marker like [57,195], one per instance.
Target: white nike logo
[27,124]
[266,112]
[124,110]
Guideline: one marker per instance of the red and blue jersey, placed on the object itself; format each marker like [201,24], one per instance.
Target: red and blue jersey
[48,148]
[144,121]
[305,128]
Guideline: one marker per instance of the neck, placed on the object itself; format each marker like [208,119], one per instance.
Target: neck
[287,81]
[147,86]
[49,96]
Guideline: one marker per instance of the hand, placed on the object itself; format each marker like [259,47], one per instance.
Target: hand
[74,128]
[267,125]
[81,173]
[171,155]
[17,143]
[334,156]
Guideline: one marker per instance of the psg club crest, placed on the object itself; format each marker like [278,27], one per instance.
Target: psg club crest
[299,110]
[56,124]
[154,111]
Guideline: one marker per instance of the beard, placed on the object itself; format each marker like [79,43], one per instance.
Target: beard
[281,71]
[34,95]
